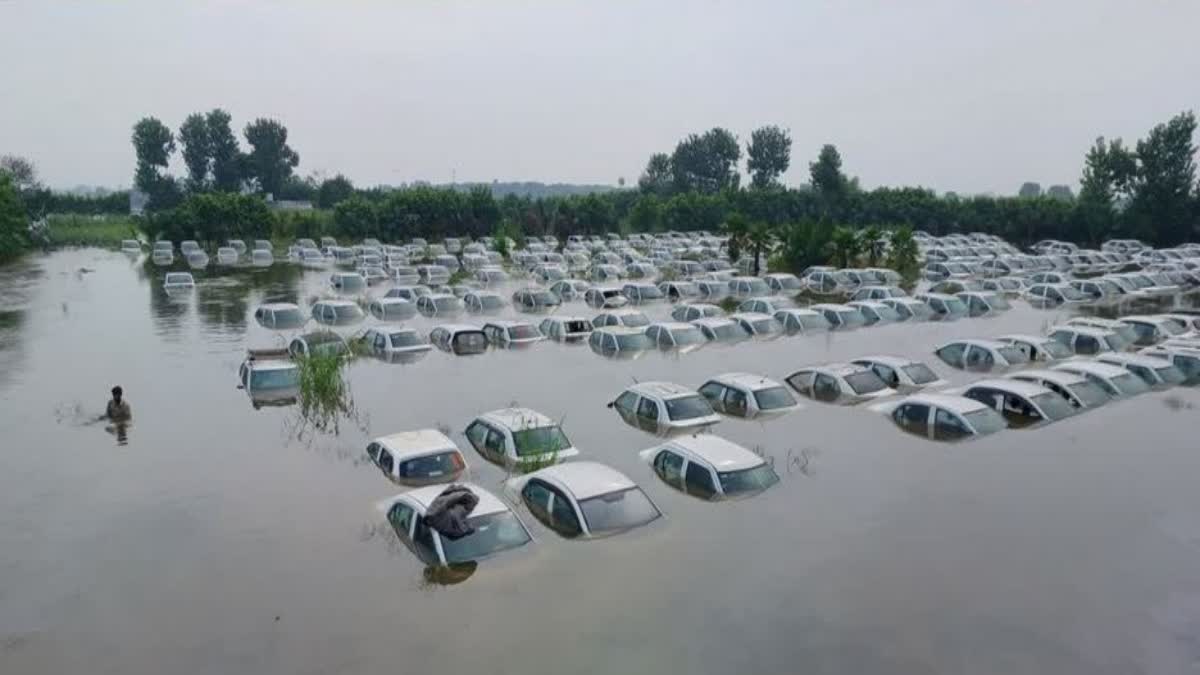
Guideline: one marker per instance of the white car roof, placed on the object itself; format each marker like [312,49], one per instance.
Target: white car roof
[747,381]
[712,322]
[1060,377]
[336,303]
[408,444]
[277,306]
[673,325]
[798,311]
[873,304]
[838,369]
[488,502]
[564,319]
[271,364]
[1105,370]
[750,316]
[1019,387]
[663,390]
[391,301]
[585,479]
[458,327]
[517,419]
[1025,337]
[723,455]
[1082,330]
[833,306]
[779,275]
[622,311]
[620,330]
[889,360]
[1145,318]
[700,305]
[956,404]
[1134,360]
[507,323]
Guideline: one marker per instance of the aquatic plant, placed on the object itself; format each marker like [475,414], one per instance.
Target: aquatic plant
[324,393]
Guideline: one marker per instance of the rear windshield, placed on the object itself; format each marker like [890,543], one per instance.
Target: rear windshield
[1130,384]
[617,511]
[276,378]
[727,331]
[688,407]
[432,466]
[920,373]
[493,533]
[955,307]
[865,382]
[406,340]
[637,320]
[540,441]
[470,342]
[756,479]
[1090,393]
[577,326]
[774,398]
[634,341]
[522,332]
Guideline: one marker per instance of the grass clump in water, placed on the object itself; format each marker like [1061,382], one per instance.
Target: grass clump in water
[324,393]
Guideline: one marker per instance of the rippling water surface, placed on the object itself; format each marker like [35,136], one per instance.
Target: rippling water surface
[221,538]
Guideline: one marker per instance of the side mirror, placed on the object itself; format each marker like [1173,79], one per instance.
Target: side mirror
[241,386]
[609,404]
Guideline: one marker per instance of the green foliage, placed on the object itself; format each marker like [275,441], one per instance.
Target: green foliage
[225,157]
[507,233]
[728,304]
[827,178]
[14,224]
[756,238]
[103,232]
[768,155]
[872,243]
[805,244]
[646,215]
[153,144]
[324,393]
[271,160]
[904,255]
[196,150]
[659,176]
[20,171]
[214,218]
[706,163]
[844,247]
[1162,205]
[333,191]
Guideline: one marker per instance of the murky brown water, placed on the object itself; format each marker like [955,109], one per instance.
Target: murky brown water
[215,541]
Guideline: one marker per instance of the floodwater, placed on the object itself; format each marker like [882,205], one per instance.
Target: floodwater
[221,538]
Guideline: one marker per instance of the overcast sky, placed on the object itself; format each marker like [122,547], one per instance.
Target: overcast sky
[965,95]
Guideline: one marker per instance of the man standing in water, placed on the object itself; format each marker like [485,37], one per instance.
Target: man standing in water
[118,408]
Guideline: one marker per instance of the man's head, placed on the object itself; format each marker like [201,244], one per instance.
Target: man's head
[116,392]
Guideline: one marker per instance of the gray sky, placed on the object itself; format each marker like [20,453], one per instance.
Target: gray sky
[966,95]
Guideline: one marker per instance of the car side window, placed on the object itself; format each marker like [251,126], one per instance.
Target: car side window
[386,464]
[979,358]
[562,515]
[647,409]
[801,382]
[1062,337]
[952,354]
[401,516]
[947,427]
[887,374]
[626,402]
[825,388]
[699,481]
[1087,345]
[735,402]
[476,433]
[712,391]
[422,542]
[494,443]
[912,417]
[669,467]
[537,498]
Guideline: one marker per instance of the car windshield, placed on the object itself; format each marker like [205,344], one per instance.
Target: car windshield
[649,292]
[618,511]
[469,342]
[1090,393]
[1130,384]
[688,336]
[985,421]
[774,398]
[998,302]
[758,287]
[288,318]
[765,326]
[1170,374]
[445,304]
[493,533]
[406,339]
[865,382]
[540,441]
[755,479]
[274,378]
[920,373]
[688,407]
[1071,293]
[543,298]
[1013,355]
[955,307]
[1055,349]
[813,322]
[351,282]
[851,318]
[635,320]
[634,342]
[491,301]
[1055,406]
[1116,342]
[523,332]
[347,311]
[438,464]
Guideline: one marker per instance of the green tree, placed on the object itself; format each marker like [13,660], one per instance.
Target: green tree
[196,150]
[805,244]
[844,246]
[658,178]
[904,255]
[153,144]
[271,160]
[827,179]
[872,242]
[646,214]
[356,217]
[1166,176]
[706,163]
[768,155]
[756,238]
[14,223]
[21,172]
[224,155]
[1030,189]
[334,190]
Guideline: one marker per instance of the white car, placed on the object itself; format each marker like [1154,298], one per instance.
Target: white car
[440,304]
[433,275]
[569,289]
[909,309]
[267,370]
[227,255]
[347,282]
[1152,330]
[459,339]
[566,328]
[512,333]
[1038,347]
[319,343]
[748,396]
[675,336]
[801,321]
[664,408]
[179,281]
[721,330]
[619,342]
[1156,372]
[709,467]
[1087,341]
[1127,333]
[981,303]
[1114,380]
[944,306]
[878,293]
[1077,390]
[901,373]
[391,309]
[687,311]
[387,342]
[605,297]
[783,283]
[519,436]
[642,293]
[748,287]
[628,318]
[131,247]
[1185,357]
[875,312]
[838,383]
[495,527]
[421,457]
[584,499]
[980,355]
[767,305]
[760,326]
[1022,404]
[944,417]
[483,302]
[262,258]
[279,316]
[337,312]
[840,317]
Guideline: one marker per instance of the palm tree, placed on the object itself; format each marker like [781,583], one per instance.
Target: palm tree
[903,254]
[872,242]
[756,238]
[844,246]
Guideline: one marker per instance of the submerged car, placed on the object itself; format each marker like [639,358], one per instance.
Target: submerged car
[459,339]
[348,283]
[619,342]
[266,370]
[944,306]
[535,300]
[1038,347]
[758,326]
[1087,341]
[386,342]
[801,321]
[709,467]
[748,396]
[494,527]
[783,283]
[1022,404]
[179,281]
[944,417]
[838,383]
[605,297]
[1114,380]
[584,499]
[439,304]
[512,333]
[337,312]
[1155,372]
[691,311]
[566,328]
[664,408]
[279,316]
[909,309]
[1077,390]
[1151,330]
[840,317]
[515,436]
[324,343]
[629,318]
[980,355]
[391,309]
[901,373]
[1184,357]
[721,330]
[675,336]
[875,312]
[421,457]
[483,302]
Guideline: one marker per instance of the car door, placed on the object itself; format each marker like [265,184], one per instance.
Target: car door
[736,402]
[825,388]
[698,481]
[669,467]
[948,427]
[913,418]
[536,495]
[979,359]
[715,393]
[400,516]
[647,414]
[802,382]
[952,354]
[887,374]
[563,518]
